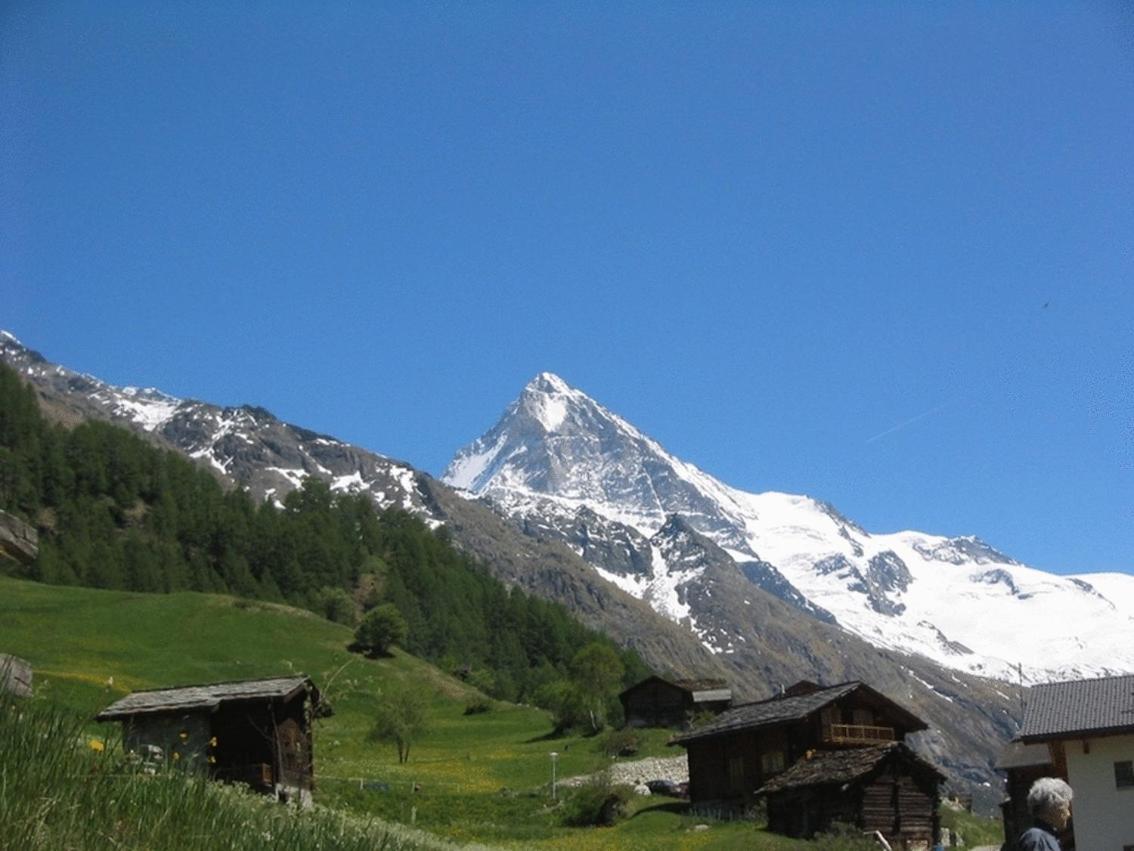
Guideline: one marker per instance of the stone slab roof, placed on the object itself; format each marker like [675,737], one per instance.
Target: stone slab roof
[1079,707]
[695,687]
[766,712]
[712,695]
[831,767]
[779,710]
[702,685]
[203,697]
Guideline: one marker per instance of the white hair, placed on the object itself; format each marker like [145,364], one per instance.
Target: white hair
[1048,795]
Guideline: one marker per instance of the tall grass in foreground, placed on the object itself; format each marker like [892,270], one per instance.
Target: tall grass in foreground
[57,793]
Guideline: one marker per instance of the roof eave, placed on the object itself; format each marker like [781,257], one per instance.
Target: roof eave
[1092,733]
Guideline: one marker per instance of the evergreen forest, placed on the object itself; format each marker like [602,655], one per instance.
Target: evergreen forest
[113,511]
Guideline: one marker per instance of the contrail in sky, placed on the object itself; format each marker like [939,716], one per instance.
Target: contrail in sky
[908,422]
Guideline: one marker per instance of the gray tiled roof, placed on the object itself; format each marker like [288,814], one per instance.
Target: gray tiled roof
[774,711]
[1019,755]
[1058,710]
[843,766]
[208,697]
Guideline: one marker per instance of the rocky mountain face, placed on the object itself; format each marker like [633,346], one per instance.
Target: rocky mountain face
[245,445]
[561,465]
[568,501]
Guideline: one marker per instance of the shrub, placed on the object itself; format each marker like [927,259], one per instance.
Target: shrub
[382,628]
[844,837]
[336,605]
[597,802]
[622,742]
[568,705]
[478,706]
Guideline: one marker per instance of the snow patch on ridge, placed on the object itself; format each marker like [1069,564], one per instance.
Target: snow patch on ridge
[955,600]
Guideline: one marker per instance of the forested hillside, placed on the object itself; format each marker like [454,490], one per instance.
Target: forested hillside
[115,512]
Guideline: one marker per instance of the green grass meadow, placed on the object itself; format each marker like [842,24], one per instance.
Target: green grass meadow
[472,779]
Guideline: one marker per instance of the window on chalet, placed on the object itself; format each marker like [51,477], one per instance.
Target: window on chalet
[1124,774]
[772,763]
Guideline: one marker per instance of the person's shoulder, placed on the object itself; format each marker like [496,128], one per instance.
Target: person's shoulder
[1037,839]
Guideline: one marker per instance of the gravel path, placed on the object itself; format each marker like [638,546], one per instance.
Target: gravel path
[675,768]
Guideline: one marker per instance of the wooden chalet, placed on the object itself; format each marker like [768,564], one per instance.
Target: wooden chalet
[886,789]
[737,755]
[248,731]
[1087,728]
[658,702]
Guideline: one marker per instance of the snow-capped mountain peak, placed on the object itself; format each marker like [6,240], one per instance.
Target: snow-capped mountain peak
[557,457]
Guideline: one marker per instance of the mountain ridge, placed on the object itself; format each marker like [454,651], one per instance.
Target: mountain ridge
[782,643]
[556,453]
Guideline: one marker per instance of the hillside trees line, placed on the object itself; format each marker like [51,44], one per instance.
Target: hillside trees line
[115,512]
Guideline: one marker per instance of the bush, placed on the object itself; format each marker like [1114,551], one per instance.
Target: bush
[568,705]
[597,802]
[622,742]
[478,706]
[336,605]
[382,628]
[844,837]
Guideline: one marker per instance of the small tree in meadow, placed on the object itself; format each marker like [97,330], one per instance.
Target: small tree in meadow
[382,628]
[400,719]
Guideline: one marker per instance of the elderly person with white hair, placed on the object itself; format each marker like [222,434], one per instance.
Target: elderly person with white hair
[1049,801]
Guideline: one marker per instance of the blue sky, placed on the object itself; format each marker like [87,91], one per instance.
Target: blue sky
[876,253]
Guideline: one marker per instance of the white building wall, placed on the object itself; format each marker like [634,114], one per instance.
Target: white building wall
[1104,814]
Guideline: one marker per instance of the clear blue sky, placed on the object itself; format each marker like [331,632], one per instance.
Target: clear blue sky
[881,254]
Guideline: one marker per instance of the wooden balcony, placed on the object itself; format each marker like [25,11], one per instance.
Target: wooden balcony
[857,734]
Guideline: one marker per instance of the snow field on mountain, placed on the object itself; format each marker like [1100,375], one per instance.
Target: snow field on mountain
[954,600]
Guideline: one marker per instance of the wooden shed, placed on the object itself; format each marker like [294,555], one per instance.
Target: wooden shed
[885,788]
[658,702]
[248,731]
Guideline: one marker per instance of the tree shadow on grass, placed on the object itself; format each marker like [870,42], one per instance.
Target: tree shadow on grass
[368,652]
[551,736]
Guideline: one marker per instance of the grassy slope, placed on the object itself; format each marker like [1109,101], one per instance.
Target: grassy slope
[77,639]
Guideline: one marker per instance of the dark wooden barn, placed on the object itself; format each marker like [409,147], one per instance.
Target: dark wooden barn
[657,702]
[886,789]
[249,731]
[743,748]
